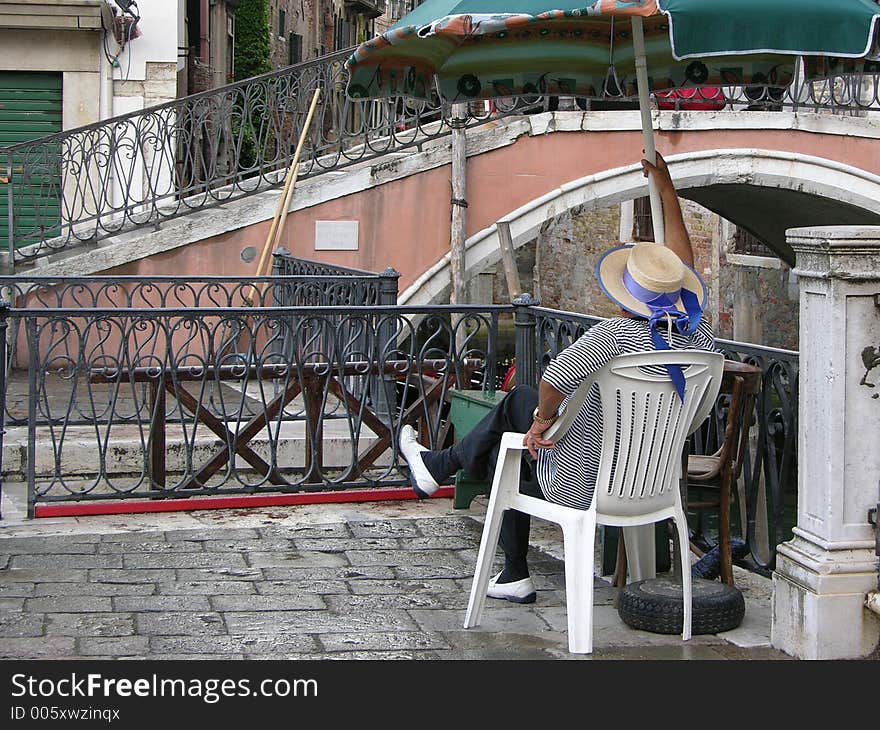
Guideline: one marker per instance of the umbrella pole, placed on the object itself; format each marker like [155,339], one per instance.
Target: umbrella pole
[647,126]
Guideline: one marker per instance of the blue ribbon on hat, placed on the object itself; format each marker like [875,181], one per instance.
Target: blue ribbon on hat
[663,305]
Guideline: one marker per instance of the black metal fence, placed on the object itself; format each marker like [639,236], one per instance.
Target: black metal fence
[92,182]
[115,403]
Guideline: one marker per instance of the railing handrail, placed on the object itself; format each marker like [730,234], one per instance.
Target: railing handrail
[217,90]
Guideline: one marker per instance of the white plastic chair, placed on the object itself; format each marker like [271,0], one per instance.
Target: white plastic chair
[643,412]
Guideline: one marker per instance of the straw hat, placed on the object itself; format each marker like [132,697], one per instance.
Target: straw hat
[634,275]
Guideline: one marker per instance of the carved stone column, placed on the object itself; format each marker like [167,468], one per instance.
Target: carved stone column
[824,573]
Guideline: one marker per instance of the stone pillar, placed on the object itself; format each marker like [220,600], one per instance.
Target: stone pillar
[823,574]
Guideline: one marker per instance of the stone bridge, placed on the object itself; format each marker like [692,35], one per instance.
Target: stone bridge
[764,171]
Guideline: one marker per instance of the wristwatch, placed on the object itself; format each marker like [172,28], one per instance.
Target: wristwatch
[537,419]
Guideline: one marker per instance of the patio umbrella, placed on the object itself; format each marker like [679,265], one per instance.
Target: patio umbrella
[484,49]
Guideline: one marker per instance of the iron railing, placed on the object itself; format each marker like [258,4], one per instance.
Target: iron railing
[123,403]
[92,182]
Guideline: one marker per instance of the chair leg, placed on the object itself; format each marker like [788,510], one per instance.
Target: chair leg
[724,529]
[579,544]
[489,539]
[686,583]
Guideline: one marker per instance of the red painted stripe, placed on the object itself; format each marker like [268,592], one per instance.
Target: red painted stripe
[231,502]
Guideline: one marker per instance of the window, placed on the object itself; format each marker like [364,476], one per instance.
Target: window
[282,24]
[294,49]
[643,221]
[747,244]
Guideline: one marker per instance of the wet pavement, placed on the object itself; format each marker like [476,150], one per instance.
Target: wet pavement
[379,580]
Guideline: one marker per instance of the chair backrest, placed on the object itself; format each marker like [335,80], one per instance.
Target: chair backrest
[645,425]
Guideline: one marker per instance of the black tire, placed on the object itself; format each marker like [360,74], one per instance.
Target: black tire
[655,605]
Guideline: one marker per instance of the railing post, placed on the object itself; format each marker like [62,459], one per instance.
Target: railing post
[525,342]
[386,392]
[4,324]
[10,217]
[33,367]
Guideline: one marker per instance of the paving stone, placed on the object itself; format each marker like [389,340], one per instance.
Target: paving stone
[181,623]
[246,546]
[69,603]
[14,625]
[216,533]
[383,641]
[131,577]
[96,589]
[509,617]
[161,603]
[48,543]
[289,602]
[345,572]
[403,557]
[138,535]
[4,561]
[333,529]
[8,603]
[43,647]
[185,560]
[340,544]
[89,624]
[41,546]
[155,546]
[345,604]
[117,646]
[296,559]
[208,587]
[318,587]
[446,526]
[55,561]
[247,645]
[430,572]
[215,574]
[429,587]
[315,622]
[384,528]
[437,542]
[31,575]
[16,590]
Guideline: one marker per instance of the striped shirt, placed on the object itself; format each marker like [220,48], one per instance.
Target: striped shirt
[603,341]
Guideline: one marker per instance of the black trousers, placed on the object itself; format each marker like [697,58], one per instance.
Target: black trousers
[478,451]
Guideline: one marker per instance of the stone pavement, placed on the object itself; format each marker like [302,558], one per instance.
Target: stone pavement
[382,580]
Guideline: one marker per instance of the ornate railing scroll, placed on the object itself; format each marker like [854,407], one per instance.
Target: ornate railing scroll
[185,402]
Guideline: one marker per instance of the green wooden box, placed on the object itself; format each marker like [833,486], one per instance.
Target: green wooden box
[466,409]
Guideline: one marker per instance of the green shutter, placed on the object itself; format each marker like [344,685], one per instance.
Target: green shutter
[30,108]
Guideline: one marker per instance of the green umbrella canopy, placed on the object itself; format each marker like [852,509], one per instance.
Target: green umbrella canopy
[480,49]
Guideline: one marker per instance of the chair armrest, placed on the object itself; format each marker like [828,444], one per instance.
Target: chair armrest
[512,440]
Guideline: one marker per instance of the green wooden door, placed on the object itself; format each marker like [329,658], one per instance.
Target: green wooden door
[30,108]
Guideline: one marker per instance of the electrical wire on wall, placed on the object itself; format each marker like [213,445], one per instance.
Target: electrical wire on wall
[124,32]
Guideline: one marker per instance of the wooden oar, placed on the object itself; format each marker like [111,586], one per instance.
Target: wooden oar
[284,201]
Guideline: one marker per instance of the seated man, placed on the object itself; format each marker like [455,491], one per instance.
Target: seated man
[661,299]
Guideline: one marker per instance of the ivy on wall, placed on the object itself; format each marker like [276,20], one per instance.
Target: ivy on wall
[252,39]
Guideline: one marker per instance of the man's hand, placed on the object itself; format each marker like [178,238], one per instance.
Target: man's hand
[660,172]
[534,440]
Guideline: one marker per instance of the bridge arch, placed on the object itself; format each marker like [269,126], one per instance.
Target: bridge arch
[709,177]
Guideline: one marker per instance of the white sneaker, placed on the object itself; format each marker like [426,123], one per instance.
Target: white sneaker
[423,483]
[519,591]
